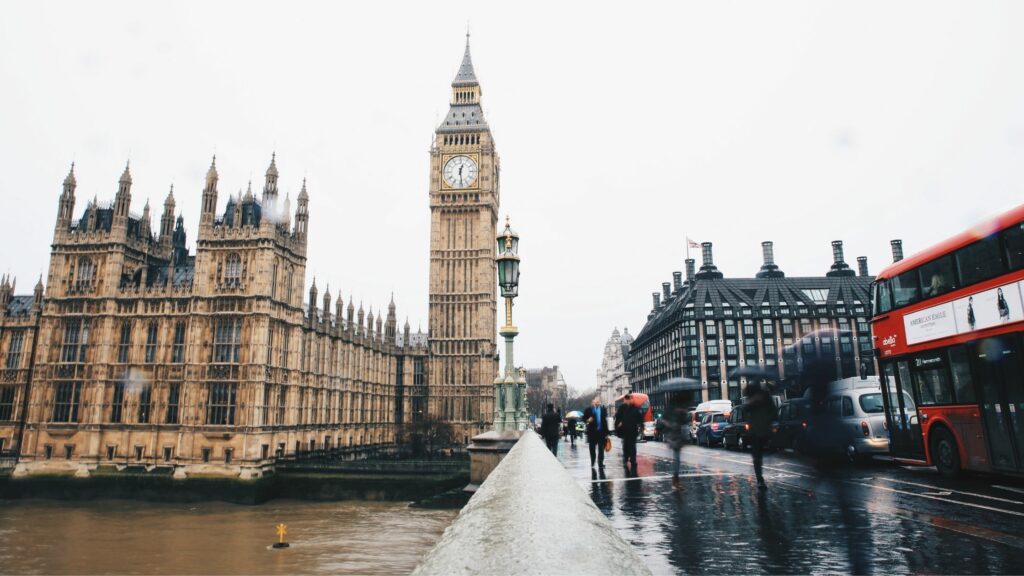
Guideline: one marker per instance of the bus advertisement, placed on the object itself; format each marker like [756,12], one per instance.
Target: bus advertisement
[949,339]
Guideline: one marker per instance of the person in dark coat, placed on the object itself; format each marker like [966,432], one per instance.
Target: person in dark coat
[760,412]
[596,417]
[627,425]
[550,428]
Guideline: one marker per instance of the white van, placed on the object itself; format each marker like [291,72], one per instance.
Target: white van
[723,406]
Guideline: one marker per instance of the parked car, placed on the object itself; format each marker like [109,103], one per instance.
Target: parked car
[711,428]
[736,430]
[792,423]
[704,408]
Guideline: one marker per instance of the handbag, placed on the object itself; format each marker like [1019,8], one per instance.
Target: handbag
[607,444]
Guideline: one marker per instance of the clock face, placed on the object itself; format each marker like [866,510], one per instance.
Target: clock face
[460,172]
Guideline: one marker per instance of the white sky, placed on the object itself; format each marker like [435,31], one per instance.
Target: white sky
[621,127]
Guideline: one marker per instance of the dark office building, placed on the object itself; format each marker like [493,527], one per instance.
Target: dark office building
[702,328]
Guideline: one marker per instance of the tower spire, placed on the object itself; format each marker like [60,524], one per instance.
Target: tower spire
[466,75]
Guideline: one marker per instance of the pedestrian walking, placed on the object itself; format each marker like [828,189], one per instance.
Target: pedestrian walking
[571,426]
[760,413]
[627,425]
[550,428]
[596,417]
[676,432]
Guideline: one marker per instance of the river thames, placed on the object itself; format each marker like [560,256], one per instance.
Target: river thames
[128,537]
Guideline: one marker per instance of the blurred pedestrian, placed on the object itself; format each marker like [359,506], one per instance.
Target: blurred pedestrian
[596,417]
[571,429]
[759,409]
[825,441]
[676,432]
[627,425]
[550,427]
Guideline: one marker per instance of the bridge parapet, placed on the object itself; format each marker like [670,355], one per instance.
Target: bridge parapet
[530,517]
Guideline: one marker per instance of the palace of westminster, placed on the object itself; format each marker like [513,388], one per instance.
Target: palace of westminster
[139,353]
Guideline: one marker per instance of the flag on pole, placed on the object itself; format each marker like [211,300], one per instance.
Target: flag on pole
[690,244]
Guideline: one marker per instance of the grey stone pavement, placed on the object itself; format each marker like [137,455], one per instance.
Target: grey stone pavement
[872,518]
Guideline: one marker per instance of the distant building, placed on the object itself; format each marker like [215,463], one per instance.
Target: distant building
[613,377]
[544,385]
[701,329]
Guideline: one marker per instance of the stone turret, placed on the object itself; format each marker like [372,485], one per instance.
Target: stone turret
[66,206]
[302,214]
[123,199]
[37,296]
[209,208]
[327,307]
[312,303]
[167,220]
[339,314]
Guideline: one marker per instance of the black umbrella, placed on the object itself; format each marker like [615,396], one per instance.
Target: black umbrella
[679,384]
[753,373]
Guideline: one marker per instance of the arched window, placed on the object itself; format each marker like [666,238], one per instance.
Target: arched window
[233,270]
[85,274]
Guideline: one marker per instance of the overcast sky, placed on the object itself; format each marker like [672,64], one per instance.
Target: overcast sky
[621,129]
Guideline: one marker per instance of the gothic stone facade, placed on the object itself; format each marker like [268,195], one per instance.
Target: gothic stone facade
[612,377]
[464,197]
[206,363]
[19,321]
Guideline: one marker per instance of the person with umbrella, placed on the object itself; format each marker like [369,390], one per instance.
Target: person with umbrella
[676,431]
[571,419]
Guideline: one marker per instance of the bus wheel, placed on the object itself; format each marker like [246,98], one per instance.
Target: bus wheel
[945,454]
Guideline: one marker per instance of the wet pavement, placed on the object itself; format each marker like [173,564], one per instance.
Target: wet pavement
[871,518]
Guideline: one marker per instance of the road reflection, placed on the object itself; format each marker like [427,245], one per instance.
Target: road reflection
[807,522]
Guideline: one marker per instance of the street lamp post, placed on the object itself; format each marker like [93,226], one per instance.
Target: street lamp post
[510,385]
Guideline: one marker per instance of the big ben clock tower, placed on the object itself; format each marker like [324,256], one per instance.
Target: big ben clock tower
[464,169]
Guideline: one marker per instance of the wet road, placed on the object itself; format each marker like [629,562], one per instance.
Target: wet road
[875,518]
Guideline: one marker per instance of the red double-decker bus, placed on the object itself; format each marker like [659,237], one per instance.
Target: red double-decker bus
[948,331]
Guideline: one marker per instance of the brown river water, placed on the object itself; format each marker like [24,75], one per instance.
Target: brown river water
[127,537]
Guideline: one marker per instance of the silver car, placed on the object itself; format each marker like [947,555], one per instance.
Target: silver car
[858,405]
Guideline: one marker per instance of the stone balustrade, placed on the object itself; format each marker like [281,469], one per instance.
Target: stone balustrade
[531,517]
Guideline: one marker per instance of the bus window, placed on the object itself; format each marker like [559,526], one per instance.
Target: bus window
[1013,240]
[937,277]
[905,289]
[979,261]
[883,297]
[931,379]
[960,367]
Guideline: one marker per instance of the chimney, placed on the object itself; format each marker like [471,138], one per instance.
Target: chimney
[839,266]
[862,265]
[897,250]
[666,288]
[677,281]
[691,270]
[768,252]
[769,269]
[657,300]
[837,252]
[707,269]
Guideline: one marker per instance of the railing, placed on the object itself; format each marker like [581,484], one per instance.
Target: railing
[531,517]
